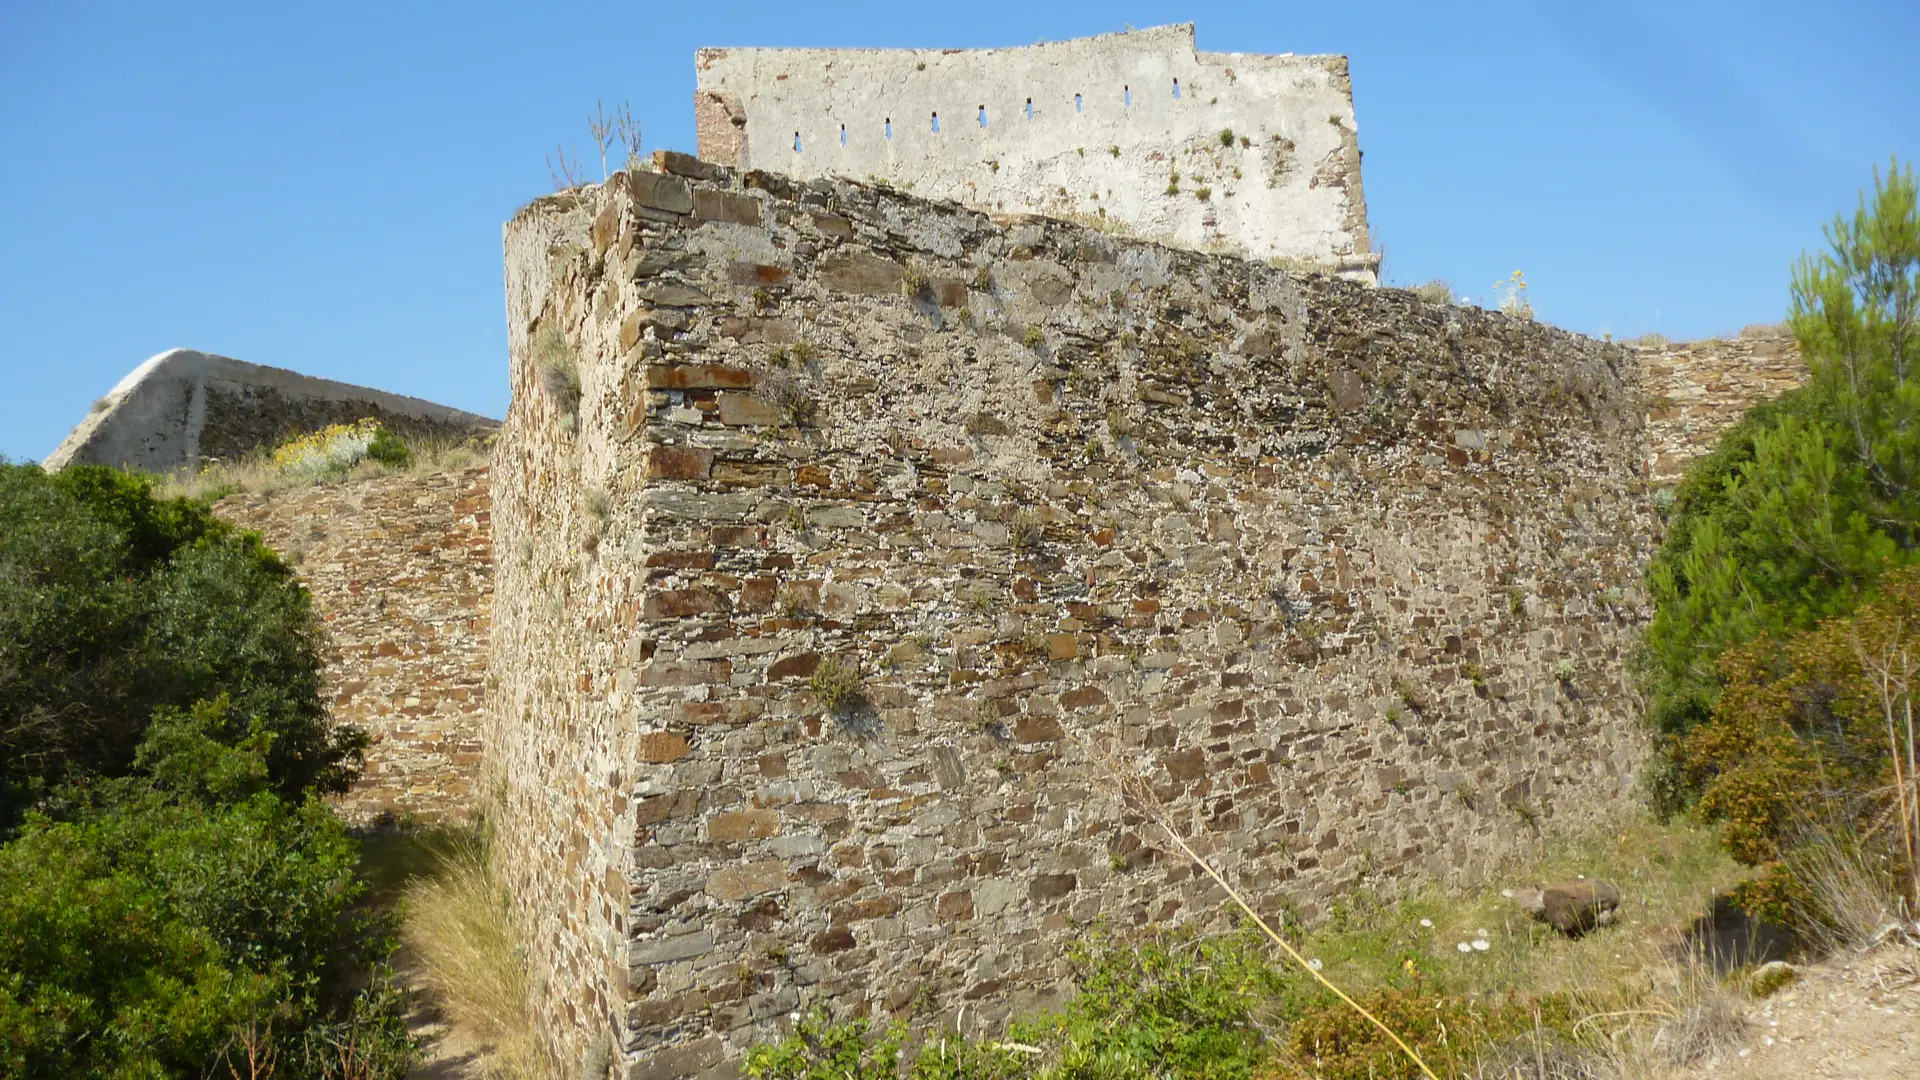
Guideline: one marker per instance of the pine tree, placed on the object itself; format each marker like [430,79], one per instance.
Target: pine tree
[1810,499]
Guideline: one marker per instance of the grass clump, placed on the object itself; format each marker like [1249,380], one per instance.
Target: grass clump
[789,395]
[836,686]
[558,368]
[458,932]
[1027,530]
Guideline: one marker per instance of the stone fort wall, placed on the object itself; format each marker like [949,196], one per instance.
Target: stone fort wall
[884,535]
[1139,132]
[400,570]
[1697,389]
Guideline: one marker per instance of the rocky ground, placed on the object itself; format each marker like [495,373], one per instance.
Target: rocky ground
[1849,1018]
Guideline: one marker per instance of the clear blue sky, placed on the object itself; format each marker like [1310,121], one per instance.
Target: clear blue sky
[321,186]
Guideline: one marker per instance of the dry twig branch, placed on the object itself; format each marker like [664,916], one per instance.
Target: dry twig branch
[627,129]
[565,173]
[602,126]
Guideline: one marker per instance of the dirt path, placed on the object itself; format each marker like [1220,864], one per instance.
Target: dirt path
[1852,1019]
[447,1052]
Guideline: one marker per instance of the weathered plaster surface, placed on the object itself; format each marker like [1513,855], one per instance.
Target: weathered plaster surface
[183,408]
[1346,578]
[1102,143]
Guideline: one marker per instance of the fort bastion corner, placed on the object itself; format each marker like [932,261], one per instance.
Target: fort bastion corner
[867,535]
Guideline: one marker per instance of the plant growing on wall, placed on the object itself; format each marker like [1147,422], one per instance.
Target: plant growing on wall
[559,374]
[1512,296]
[611,128]
[836,686]
[565,173]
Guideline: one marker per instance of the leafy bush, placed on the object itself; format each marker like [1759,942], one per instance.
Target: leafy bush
[174,900]
[114,604]
[1810,746]
[1450,1032]
[1805,503]
[151,924]
[389,449]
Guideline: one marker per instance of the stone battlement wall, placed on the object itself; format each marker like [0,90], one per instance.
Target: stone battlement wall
[882,531]
[401,573]
[1138,131]
[1697,389]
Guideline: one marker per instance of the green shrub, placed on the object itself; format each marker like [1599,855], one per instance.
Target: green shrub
[389,449]
[1173,1005]
[1451,1033]
[153,923]
[114,604]
[1803,763]
[173,896]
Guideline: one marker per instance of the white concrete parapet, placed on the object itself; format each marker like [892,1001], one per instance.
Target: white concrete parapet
[1138,131]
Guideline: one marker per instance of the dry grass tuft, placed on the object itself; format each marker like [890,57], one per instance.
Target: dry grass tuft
[1853,887]
[258,473]
[456,926]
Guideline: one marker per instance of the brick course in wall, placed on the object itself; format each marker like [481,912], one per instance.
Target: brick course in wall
[400,570]
[1345,577]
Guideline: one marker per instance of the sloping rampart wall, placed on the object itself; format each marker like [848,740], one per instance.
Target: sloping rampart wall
[184,409]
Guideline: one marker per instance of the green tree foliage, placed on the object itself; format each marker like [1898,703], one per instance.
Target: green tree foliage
[154,924]
[1808,501]
[175,901]
[114,603]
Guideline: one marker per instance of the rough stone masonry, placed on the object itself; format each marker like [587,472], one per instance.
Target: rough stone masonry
[881,536]
[1138,132]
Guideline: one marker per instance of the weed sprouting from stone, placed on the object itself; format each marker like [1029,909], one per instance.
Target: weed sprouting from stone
[559,372]
[1411,693]
[790,396]
[836,686]
[1027,531]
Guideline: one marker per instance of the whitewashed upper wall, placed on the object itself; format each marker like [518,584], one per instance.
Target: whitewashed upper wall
[1090,129]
